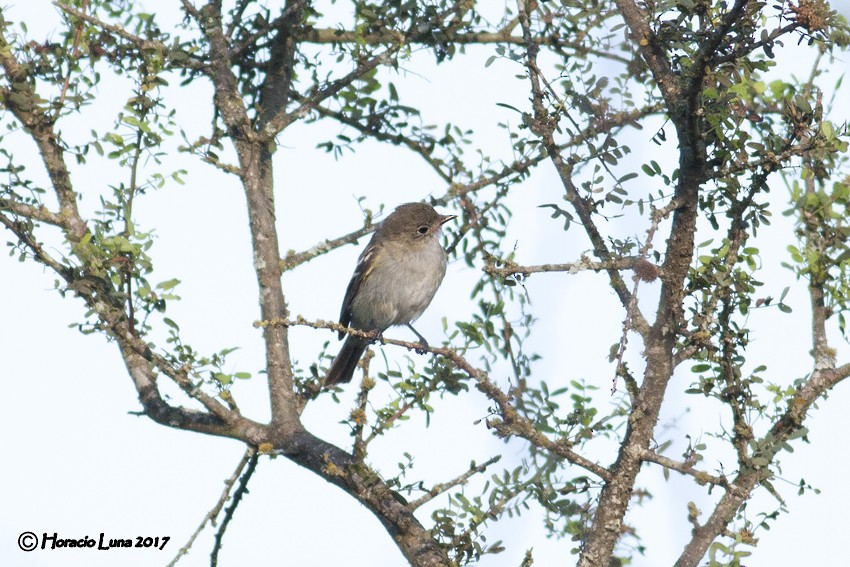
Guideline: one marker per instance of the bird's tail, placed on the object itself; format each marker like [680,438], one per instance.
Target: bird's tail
[343,366]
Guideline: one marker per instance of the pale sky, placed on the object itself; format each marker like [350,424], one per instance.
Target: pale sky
[78,463]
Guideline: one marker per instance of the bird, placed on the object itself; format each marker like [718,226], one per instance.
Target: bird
[395,280]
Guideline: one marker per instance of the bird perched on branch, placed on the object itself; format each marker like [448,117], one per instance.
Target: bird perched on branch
[395,280]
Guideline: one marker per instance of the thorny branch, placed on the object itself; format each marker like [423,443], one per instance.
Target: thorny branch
[210,517]
[241,490]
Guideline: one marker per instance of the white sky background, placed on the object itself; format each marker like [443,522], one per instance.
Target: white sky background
[75,462]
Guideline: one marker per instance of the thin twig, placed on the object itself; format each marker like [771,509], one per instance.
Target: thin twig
[75,53]
[358,416]
[387,423]
[194,148]
[585,264]
[38,252]
[241,490]
[688,469]
[136,40]
[372,132]
[657,216]
[331,35]
[294,259]
[211,516]
[281,121]
[442,487]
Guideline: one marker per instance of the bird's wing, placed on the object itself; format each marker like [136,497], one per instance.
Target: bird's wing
[364,266]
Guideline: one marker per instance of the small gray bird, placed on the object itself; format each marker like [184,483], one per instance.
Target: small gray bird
[396,278]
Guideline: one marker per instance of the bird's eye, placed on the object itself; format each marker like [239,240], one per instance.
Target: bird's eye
[422,230]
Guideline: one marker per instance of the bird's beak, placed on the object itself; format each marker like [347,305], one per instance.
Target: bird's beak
[446,218]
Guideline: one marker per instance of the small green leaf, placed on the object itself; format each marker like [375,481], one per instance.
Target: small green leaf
[222,378]
[502,104]
[168,284]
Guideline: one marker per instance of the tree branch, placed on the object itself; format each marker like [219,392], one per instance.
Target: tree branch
[26,238]
[361,482]
[651,50]
[241,490]
[257,180]
[502,37]
[99,296]
[294,259]
[38,213]
[585,264]
[277,85]
[812,232]
[785,428]
[40,127]
[273,126]
[643,270]
[705,54]
[442,487]
[614,500]
[397,139]
[686,468]
[250,455]
[140,42]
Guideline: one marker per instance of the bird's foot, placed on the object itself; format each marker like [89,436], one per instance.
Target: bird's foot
[424,344]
